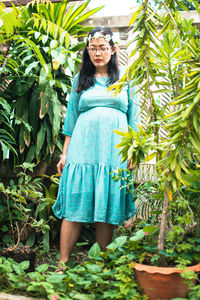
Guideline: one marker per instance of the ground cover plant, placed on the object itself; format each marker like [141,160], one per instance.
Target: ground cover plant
[103,275]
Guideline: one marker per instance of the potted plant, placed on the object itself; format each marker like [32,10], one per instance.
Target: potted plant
[166,69]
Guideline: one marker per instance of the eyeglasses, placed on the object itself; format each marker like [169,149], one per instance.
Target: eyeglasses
[100,49]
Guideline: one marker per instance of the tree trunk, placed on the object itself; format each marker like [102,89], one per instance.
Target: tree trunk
[163,225]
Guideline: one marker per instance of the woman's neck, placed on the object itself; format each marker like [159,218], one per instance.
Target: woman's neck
[101,72]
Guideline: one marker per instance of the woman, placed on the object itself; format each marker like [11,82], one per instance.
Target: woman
[87,193]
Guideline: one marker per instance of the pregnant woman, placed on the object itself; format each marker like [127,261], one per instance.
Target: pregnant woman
[87,193]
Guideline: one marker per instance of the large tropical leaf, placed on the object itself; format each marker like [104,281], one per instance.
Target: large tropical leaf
[8,20]
[7,141]
[60,20]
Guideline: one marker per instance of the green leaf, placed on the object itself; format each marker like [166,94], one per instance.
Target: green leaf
[150,157]
[84,297]
[31,239]
[84,17]
[37,35]
[94,251]
[138,236]
[42,268]
[150,229]
[31,66]
[56,114]
[13,277]
[117,243]
[93,268]
[25,264]
[44,39]
[4,149]
[18,269]
[40,139]
[31,153]
[61,12]
[1,187]
[46,243]
[4,228]
[110,294]
[20,39]
[181,299]
[53,44]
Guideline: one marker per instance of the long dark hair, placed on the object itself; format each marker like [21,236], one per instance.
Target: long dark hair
[87,71]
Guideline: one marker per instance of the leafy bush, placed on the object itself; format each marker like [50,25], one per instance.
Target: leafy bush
[37,67]
[24,207]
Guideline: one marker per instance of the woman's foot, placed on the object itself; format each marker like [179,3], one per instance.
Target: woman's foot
[60,271]
[61,267]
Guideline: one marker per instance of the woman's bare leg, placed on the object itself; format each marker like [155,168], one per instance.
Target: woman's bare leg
[69,235]
[104,233]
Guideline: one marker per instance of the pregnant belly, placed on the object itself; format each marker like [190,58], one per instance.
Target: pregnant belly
[93,139]
[106,117]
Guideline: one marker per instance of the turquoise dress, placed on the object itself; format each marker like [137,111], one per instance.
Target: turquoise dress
[87,193]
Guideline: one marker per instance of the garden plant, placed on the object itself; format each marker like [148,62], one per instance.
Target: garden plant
[166,65]
[38,60]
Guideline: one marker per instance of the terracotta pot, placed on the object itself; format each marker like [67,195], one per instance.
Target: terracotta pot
[162,283]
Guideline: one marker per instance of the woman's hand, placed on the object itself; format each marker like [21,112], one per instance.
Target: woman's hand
[61,164]
[129,164]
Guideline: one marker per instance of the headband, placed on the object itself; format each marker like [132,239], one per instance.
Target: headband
[98,35]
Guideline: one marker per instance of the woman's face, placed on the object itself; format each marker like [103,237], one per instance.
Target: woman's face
[100,52]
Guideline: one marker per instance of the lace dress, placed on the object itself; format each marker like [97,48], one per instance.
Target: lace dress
[87,193]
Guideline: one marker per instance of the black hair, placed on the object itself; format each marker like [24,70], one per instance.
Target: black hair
[87,71]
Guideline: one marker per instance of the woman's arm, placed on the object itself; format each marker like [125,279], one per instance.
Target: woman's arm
[62,162]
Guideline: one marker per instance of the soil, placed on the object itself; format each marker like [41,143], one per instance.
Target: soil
[38,257]
[79,255]
[21,254]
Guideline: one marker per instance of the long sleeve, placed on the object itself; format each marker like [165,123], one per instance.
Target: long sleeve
[72,109]
[133,109]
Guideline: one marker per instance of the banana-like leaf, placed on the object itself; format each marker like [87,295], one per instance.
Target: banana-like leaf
[56,105]
[20,39]
[40,139]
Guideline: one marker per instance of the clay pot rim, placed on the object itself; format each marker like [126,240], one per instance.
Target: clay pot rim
[164,270]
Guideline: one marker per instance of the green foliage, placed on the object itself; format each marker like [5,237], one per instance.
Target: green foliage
[126,178]
[167,63]
[37,67]
[9,20]
[12,273]
[165,59]
[7,141]
[195,292]
[135,145]
[59,20]
[190,4]
[176,4]
[105,275]
[24,206]
[149,197]
[181,248]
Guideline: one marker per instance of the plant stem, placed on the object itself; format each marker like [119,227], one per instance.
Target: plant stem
[161,237]
[173,20]
[10,219]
